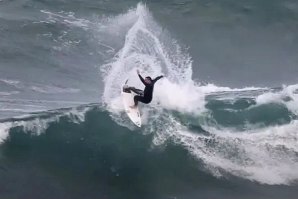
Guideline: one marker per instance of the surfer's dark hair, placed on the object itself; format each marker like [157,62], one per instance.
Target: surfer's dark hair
[149,77]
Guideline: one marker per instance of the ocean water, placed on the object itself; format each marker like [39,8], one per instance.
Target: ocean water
[223,122]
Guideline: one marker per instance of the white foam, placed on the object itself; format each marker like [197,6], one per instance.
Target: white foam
[144,49]
[12,82]
[66,18]
[184,97]
[150,49]
[4,130]
[212,88]
[38,125]
[266,155]
[288,96]
[8,93]
[18,110]
[53,89]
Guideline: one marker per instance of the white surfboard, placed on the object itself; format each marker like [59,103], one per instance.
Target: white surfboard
[133,113]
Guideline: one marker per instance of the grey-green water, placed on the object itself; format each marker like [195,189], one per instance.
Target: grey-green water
[222,123]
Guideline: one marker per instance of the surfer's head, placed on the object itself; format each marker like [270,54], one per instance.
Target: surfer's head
[148,80]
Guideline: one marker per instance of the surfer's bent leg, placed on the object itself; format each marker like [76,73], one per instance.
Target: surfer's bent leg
[135,90]
[138,98]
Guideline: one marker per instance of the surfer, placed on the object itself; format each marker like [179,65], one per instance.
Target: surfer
[146,95]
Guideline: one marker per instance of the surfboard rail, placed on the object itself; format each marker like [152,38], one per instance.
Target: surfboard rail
[128,101]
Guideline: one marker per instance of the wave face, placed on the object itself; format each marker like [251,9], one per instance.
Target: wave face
[198,140]
[83,152]
[251,131]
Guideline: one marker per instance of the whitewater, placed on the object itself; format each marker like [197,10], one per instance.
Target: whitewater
[266,154]
[248,134]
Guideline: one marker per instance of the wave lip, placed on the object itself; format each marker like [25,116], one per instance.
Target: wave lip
[38,122]
[288,96]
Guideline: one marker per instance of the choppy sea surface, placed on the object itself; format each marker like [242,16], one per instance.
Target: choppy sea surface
[223,122]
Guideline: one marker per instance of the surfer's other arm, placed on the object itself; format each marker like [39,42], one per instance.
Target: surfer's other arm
[157,78]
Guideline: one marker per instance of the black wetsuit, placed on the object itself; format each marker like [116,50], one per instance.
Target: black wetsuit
[148,91]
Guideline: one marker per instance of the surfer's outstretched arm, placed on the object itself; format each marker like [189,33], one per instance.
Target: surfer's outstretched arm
[157,78]
[141,78]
